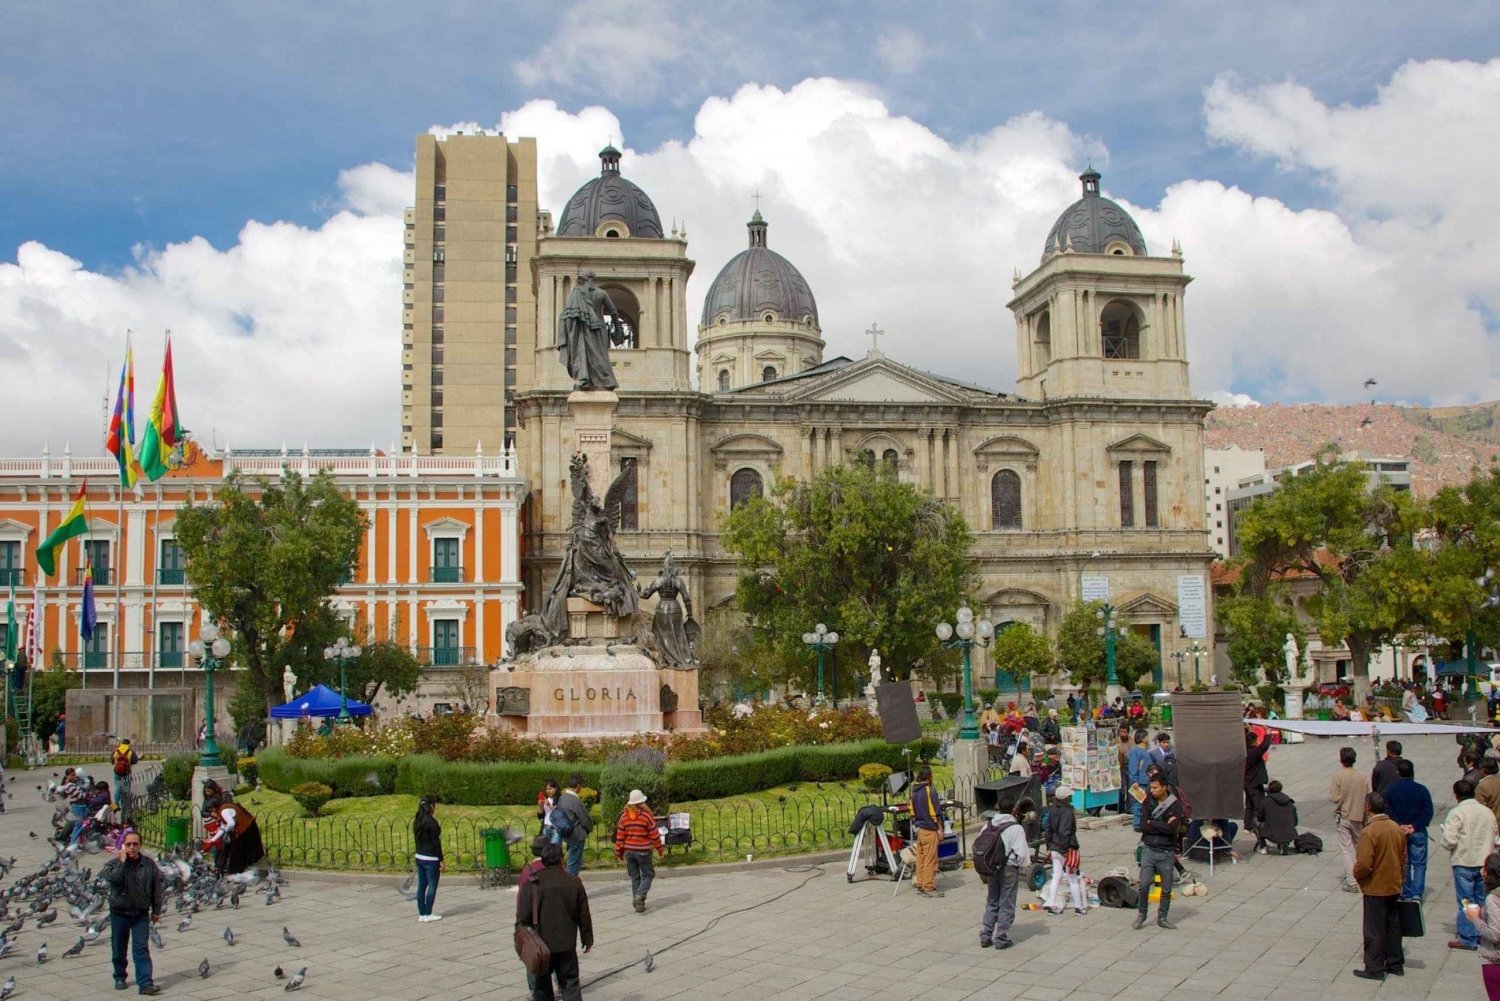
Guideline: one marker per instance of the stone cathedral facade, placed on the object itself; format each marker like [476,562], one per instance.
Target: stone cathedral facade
[1092,468]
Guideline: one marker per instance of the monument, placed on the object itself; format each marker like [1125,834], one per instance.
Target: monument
[583,665]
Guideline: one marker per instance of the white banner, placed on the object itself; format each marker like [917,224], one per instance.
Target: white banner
[1192,605]
[1095,587]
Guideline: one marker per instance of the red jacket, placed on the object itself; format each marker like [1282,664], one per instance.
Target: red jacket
[636,831]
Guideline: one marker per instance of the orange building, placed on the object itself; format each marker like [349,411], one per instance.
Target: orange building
[439,567]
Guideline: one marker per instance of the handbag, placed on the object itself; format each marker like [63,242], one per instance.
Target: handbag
[1413,923]
[535,955]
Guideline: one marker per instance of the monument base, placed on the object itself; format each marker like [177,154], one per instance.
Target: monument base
[201,776]
[971,759]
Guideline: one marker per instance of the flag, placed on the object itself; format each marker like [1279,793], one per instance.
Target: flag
[89,616]
[163,432]
[11,624]
[75,524]
[34,627]
[121,441]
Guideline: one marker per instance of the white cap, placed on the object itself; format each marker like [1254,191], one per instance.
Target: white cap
[1063,792]
[636,798]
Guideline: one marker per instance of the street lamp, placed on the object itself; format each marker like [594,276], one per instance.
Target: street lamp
[965,636]
[209,651]
[1197,650]
[820,639]
[1180,656]
[1109,629]
[342,653]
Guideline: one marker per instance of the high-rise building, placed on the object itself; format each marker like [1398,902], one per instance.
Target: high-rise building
[1224,470]
[467,290]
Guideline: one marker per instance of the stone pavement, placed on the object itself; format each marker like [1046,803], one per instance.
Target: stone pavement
[1271,927]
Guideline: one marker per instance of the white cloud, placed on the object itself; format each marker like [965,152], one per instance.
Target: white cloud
[1234,400]
[901,50]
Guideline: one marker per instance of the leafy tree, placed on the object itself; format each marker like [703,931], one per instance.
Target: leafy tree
[1082,654]
[876,559]
[263,558]
[49,693]
[1136,657]
[1329,524]
[1021,651]
[1256,625]
[1466,522]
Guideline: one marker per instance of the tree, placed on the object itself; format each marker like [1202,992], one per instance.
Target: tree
[468,685]
[1466,522]
[1081,651]
[1257,626]
[263,559]
[49,694]
[1020,651]
[875,558]
[1136,657]
[1357,541]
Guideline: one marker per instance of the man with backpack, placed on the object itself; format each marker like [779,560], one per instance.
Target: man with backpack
[1000,852]
[1161,832]
[571,820]
[123,760]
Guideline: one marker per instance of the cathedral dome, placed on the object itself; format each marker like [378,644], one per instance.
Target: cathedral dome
[610,198]
[758,282]
[1095,225]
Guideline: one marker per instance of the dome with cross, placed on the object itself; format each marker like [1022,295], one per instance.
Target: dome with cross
[759,284]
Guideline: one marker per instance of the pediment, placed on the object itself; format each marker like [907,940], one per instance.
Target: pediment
[746,445]
[1015,596]
[879,381]
[770,354]
[1147,606]
[1141,444]
[98,526]
[10,528]
[1007,446]
[624,439]
[445,527]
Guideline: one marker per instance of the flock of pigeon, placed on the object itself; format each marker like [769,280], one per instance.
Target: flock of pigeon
[193,889]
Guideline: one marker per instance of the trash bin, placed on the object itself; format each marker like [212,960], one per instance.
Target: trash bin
[177,831]
[496,851]
[1166,714]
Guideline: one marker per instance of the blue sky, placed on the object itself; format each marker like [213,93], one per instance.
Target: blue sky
[150,124]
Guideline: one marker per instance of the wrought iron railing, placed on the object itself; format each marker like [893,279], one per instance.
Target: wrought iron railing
[446,656]
[171,577]
[101,575]
[447,575]
[12,576]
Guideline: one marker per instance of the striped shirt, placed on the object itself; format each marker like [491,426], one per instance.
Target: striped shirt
[636,831]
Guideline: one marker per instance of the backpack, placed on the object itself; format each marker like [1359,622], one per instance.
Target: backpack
[122,764]
[1307,843]
[990,857]
[562,823]
[1187,811]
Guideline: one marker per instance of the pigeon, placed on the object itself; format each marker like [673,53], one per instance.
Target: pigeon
[75,948]
[289,938]
[46,919]
[229,936]
[1370,382]
[203,969]
[185,923]
[93,931]
[650,961]
[41,954]
[405,888]
[8,989]
[295,983]
[280,973]
[234,898]
[156,938]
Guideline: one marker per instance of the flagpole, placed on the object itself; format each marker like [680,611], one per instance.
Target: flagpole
[152,560]
[119,637]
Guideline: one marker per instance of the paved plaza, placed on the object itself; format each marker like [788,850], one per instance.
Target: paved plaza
[1271,927]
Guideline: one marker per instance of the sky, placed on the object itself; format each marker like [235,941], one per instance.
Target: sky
[236,174]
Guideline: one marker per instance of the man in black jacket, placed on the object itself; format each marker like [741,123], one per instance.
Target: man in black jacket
[137,896]
[562,919]
[1385,771]
[1256,777]
[1161,823]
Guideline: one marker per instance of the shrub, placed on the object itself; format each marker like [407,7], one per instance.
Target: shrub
[311,796]
[177,774]
[363,776]
[952,701]
[476,783]
[639,768]
[249,771]
[873,776]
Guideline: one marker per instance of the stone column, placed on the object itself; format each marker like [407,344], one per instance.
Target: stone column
[807,439]
[593,421]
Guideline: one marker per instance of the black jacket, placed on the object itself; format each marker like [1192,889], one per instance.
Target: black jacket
[1050,732]
[563,914]
[570,804]
[1062,828]
[135,888]
[1255,763]
[1383,775]
[1161,823]
[926,807]
[428,835]
[1277,818]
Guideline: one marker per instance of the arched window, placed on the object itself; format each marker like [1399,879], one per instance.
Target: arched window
[1005,500]
[630,315]
[723,380]
[867,458]
[1120,330]
[768,373]
[630,517]
[743,485]
[891,459]
[1043,340]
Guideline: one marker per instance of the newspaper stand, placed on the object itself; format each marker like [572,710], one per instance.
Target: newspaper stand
[1089,765]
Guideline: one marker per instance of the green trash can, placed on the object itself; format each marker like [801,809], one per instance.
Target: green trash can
[496,851]
[177,831]
[1166,714]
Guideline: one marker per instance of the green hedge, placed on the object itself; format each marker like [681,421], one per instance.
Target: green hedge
[177,770]
[483,783]
[347,777]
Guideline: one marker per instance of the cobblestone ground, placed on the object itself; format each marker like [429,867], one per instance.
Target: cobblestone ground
[1271,927]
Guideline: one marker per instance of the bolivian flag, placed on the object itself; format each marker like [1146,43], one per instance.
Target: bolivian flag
[74,525]
[121,442]
[163,430]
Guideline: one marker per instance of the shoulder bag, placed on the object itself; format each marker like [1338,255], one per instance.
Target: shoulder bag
[535,955]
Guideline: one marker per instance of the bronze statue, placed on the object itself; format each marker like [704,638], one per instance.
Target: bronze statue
[525,635]
[588,325]
[676,635]
[592,566]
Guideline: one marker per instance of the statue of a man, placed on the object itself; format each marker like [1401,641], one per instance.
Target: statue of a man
[588,325]
[288,684]
[875,675]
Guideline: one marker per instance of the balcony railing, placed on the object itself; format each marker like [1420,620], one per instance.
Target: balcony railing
[445,656]
[101,576]
[447,575]
[12,576]
[170,658]
[171,578]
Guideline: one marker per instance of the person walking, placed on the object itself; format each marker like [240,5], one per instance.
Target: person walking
[562,919]
[1487,792]
[1136,764]
[1409,804]
[527,874]
[1469,836]
[1161,827]
[927,821]
[1384,772]
[1347,794]
[1000,891]
[572,822]
[121,761]
[1485,916]
[1122,753]
[636,837]
[427,836]
[137,896]
[1379,867]
[1062,843]
[1257,747]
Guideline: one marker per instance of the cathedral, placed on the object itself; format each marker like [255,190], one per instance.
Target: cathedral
[1085,480]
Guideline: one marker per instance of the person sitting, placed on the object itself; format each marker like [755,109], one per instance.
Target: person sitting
[1340,711]
[1137,712]
[1051,732]
[1276,820]
[1030,720]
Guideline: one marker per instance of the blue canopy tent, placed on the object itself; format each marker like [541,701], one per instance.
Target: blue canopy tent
[319,700]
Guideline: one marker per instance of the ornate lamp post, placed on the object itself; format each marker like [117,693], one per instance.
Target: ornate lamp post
[966,635]
[1180,656]
[1197,650]
[209,651]
[342,653]
[1109,629]
[820,639]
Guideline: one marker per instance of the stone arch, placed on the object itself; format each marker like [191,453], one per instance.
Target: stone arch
[628,308]
[1122,328]
[1043,339]
[1005,500]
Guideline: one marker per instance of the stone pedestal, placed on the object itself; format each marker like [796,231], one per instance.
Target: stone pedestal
[201,775]
[593,422]
[970,760]
[687,716]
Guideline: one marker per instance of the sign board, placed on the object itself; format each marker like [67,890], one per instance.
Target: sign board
[1192,605]
[1095,587]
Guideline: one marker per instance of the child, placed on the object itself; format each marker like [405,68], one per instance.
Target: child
[1276,820]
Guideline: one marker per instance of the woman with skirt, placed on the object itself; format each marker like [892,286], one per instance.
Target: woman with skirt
[238,836]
